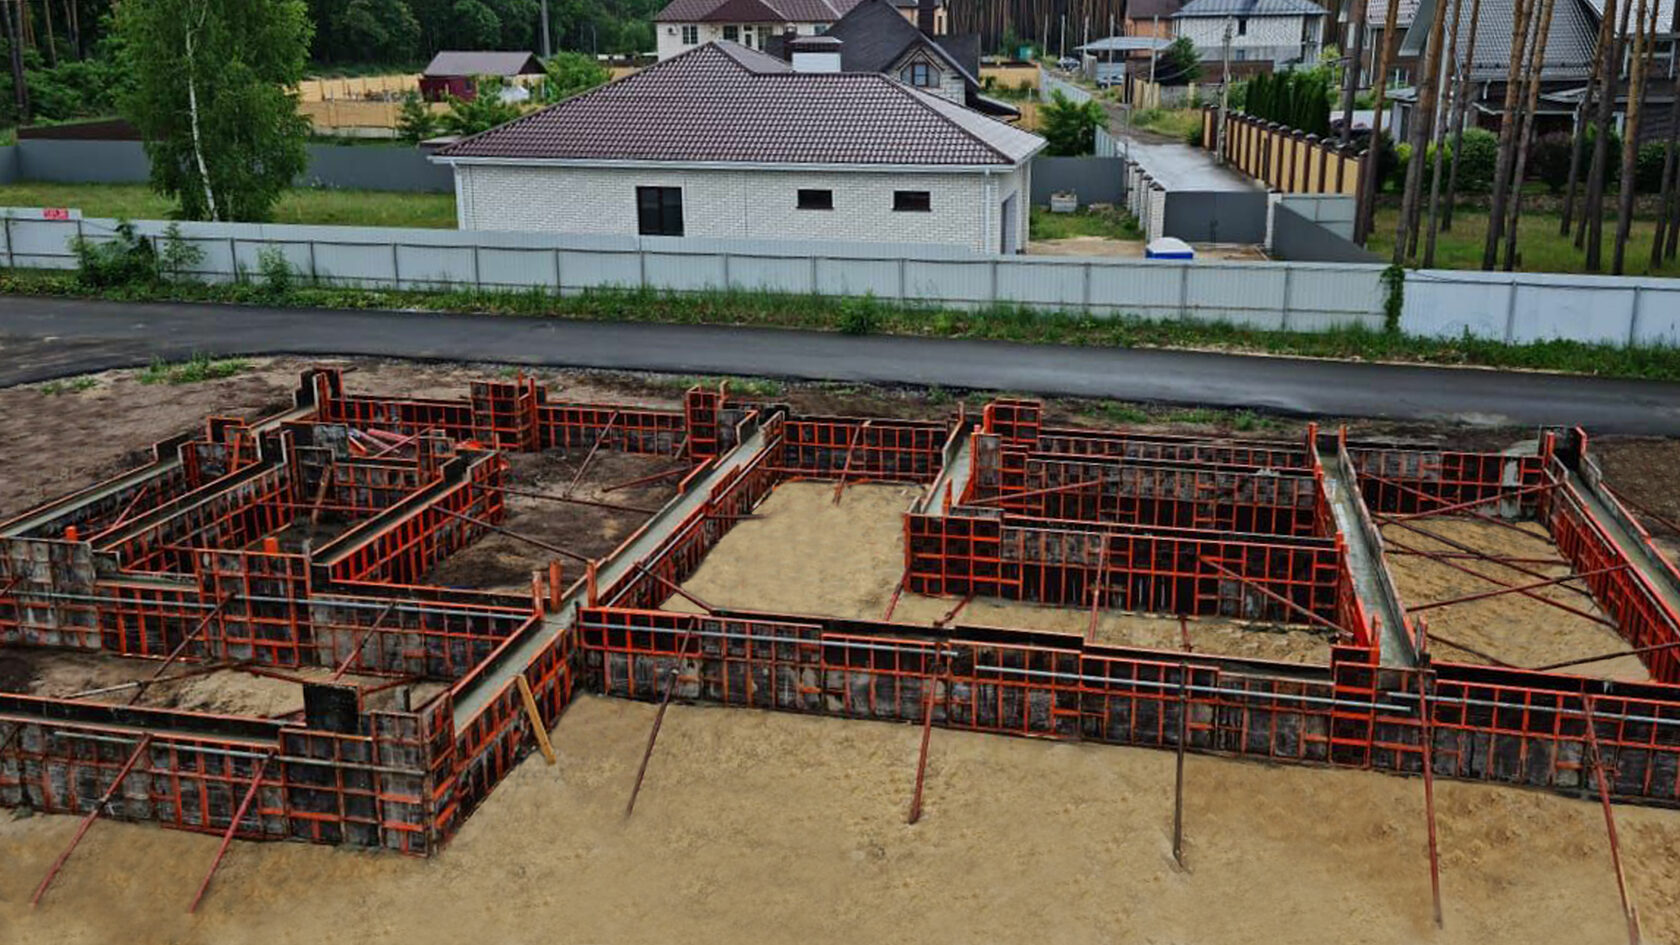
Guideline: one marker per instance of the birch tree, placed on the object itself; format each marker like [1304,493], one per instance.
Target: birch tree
[213,95]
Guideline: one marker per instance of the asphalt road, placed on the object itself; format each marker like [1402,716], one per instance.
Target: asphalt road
[45,338]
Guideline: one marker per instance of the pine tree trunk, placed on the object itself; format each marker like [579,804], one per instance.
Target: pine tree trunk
[1522,15]
[1368,181]
[1526,140]
[1461,107]
[1423,122]
[1592,212]
[1630,138]
[1441,140]
[52,47]
[1578,134]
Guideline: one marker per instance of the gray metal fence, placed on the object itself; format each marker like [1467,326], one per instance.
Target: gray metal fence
[367,167]
[1301,297]
[1530,306]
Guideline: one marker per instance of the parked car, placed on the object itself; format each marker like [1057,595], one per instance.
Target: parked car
[1110,80]
[1067,64]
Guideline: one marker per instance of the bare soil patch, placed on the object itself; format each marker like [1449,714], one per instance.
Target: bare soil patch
[1510,627]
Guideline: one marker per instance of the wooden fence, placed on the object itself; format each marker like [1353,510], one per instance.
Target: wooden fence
[1284,158]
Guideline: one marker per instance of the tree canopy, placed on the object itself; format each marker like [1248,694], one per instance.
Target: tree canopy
[1070,127]
[211,95]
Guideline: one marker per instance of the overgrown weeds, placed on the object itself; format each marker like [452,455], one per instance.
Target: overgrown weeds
[200,367]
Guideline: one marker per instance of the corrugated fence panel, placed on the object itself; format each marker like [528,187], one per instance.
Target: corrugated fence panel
[772,273]
[1042,283]
[356,263]
[859,276]
[684,271]
[1323,297]
[1249,296]
[1657,321]
[249,255]
[43,244]
[517,266]
[942,281]
[1583,312]
[426,266]
[598,270]
[1151,290]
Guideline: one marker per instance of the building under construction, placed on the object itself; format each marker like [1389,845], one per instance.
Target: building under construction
[301,549]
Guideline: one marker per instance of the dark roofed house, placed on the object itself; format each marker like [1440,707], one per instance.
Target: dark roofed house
[1275,34]
[727,142]
[685,24]
[455,74]
[876,37]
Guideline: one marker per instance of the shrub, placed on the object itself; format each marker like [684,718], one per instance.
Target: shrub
[1070,127]
[125,259]
[859,316]
[276,271]
[1648,167]
[415,122]
[1550,160]
[1476,157]
[178,258]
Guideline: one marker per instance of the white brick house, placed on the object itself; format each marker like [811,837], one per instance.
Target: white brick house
[1281,32]
[687,24]
[727,143]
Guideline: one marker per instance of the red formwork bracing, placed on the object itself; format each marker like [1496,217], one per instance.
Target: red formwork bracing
[702,410]
[1168,571]
[857,449]
[1015,422]
[619,429]
[1160,447]
[1400,480]
[1165,494]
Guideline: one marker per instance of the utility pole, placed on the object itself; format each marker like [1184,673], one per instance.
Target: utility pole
[1224,92]
[547,48]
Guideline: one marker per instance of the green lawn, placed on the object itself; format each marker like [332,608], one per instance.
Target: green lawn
[1110,224]
[1173,122]
[303,205]
[1539,247]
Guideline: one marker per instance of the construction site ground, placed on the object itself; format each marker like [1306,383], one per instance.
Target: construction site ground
[757,826]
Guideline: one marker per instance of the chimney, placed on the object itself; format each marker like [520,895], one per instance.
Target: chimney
[815,54]
[925,16]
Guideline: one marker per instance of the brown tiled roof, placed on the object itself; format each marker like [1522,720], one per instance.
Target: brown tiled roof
[754,11]
[722,102]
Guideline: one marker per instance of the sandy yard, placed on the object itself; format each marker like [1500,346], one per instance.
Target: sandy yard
[1510,627]
[806,555]
[762,827]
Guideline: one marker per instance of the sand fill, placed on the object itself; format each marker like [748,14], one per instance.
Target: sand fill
[806,555]
[773,828]
[1510,627]
[63,673]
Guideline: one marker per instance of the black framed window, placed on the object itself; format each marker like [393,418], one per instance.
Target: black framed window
[816,199]
[919,74]
[731,33]
[690,35]
[659,211]
[916,201]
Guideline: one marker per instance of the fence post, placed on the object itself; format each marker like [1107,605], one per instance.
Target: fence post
[396,268]
[815,283]
[994,281]
[1085,292]
[1633,316]
[478,283]
[1288,271]
[314,276]
[11,257]
[726,282]
[233,258]
[1183,290]
[1511,311]
[559,287]
[903,285]
[641,264]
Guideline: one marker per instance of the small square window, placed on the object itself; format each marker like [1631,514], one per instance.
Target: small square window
[690,35]
[659,211]
[816,199]
[731,33]
[918,201]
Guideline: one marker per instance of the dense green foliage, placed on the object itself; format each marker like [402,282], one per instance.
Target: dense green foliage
[1299,99]
[212,98]
[1179,64]
[484,111]
[412,30]
[1070,127]
[571,73]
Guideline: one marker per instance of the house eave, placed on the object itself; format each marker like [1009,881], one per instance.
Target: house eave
[736,165]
